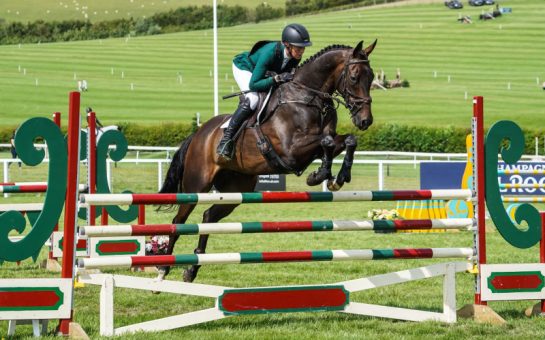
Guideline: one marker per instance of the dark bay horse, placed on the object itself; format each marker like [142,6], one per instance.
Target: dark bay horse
[299,127]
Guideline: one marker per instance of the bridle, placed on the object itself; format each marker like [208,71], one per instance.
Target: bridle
[351,101]
[343,95]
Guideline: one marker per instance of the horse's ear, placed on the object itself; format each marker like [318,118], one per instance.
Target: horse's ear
[371,47]
[357,49]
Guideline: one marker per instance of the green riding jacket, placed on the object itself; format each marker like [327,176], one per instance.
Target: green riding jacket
[264,56]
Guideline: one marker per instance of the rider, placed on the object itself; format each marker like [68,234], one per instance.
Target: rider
[251,72]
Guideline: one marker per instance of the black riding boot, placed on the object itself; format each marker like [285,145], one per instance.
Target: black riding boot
[226,146]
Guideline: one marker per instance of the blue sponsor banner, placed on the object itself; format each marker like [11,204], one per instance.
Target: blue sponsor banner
[522,178]
[441,175]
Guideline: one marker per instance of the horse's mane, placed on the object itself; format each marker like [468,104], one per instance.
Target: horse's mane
[323,51]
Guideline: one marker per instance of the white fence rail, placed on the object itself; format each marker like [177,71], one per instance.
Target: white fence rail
[414,158]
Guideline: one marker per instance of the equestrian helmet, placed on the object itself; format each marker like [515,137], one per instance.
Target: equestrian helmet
[297,35]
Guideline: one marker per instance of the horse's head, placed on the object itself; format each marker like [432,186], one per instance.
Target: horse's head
[354,84]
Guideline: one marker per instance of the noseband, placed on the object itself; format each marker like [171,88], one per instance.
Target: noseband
[352,102]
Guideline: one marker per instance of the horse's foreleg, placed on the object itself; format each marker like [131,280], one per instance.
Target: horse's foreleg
[324,171]
[345,174]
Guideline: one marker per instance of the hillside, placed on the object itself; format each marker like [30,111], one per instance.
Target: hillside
[171,74]
[99,10]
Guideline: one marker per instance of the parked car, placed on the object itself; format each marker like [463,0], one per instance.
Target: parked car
[476,2]
[489,2]
[453,4]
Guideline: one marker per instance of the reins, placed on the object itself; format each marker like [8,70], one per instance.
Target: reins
[342,96]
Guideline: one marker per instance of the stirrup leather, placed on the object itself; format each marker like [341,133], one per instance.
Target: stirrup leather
[226,148]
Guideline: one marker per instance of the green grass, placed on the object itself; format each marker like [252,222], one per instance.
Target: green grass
[479,57]
[135,306]
[419,39]
[100,10]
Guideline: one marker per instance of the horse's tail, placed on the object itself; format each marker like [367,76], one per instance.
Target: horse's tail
[175,173]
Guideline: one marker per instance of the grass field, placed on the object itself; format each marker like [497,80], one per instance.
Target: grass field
[420,39]
[134,306]
[100,10]
[171,74]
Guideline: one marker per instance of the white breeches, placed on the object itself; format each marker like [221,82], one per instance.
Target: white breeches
[242,78]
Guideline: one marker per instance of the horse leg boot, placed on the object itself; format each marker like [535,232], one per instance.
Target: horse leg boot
[345,174]
[226,146]
[324,171]
[190,273]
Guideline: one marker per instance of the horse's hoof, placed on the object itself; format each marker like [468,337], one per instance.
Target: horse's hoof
[343,178]
[317,177]
[313,179]
[332,185]
[160,277]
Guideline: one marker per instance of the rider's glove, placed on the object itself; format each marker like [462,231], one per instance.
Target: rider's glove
[283,78]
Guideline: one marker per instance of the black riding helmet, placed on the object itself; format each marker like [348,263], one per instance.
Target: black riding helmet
[297,35]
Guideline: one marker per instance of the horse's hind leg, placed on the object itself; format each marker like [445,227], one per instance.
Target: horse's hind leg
[214,214]
[225,181]
[324,171]
[345,174]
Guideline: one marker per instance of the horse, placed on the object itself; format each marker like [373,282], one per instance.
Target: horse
[299,127]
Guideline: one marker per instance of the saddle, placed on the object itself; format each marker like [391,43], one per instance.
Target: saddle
[264,111]
[261,114]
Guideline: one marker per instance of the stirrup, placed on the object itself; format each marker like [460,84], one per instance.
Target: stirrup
[226,149]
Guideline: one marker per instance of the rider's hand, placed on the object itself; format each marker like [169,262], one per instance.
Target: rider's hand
[283,77]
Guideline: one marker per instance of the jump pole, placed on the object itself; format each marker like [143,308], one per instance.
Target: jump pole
[51,263]
[70,208]
[272,227]
[479,186]
[19,188]
[273,197]
[269,257]
[91,163]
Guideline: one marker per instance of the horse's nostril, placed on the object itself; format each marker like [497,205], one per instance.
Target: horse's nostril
[365,123]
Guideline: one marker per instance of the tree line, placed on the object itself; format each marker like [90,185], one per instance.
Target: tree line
[180,19]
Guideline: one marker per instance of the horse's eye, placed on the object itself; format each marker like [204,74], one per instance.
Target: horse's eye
[353,79]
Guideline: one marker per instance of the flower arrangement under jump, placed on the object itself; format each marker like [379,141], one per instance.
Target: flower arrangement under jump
[157,245]
[383,214]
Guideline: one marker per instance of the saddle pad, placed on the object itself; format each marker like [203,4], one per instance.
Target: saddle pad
[261,105]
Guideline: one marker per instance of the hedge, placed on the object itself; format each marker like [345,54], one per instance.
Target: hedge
[385,137]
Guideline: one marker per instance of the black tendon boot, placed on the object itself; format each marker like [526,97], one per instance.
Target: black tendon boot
[226,146]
